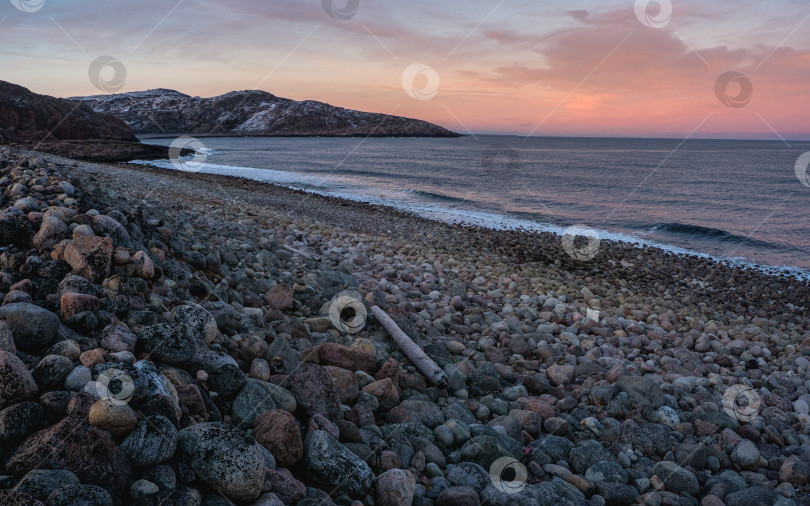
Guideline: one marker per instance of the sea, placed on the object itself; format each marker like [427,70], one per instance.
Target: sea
[739,201]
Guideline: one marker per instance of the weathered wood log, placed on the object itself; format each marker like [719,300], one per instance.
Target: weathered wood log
[422,362]
[299,252]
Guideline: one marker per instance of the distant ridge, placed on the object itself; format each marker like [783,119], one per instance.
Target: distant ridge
[251,113]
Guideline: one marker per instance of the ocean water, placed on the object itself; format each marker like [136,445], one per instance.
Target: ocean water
[736,200]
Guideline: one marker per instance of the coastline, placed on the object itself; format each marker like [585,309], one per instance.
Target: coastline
[687,239]
[487,221]
[619,365]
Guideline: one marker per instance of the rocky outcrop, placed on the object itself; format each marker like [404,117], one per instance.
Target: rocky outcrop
[66,128]
[29,117]
[251,113]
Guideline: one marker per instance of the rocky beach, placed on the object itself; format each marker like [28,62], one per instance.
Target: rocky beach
[169,338]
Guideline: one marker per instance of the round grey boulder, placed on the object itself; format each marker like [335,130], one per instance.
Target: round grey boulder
[606,471]
[84,495]
[335,467]
[34,328]
[677,479]
[225,458]
[41,483]
[153,440]
[199,319]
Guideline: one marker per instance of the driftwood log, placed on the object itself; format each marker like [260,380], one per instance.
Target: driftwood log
[299,252]
[418,357]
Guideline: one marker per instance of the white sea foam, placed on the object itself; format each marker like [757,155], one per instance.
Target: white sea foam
[401,200]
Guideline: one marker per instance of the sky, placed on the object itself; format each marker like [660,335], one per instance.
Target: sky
[679,68]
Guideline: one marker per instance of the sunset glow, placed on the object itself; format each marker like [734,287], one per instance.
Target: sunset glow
[546,68]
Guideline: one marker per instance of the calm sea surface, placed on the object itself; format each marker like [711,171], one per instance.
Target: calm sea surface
[737,200]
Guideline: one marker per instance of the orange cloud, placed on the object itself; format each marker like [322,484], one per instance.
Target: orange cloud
[524,67]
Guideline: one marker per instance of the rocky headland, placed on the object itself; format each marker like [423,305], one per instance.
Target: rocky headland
[251,113]
[67,128]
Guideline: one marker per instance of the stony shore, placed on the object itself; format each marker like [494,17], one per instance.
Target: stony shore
[166,339]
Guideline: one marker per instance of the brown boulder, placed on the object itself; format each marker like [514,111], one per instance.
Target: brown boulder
[16,383]
[77,446]
[280,297]
[189,397]
[143,266]
[278,431]
[345,384]
[384,391]
[389,369]
[346,358]
[112,416]
[75,303]
[90,257]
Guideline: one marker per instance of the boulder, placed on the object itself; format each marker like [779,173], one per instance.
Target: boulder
[154,440]
[278,431]
[225,458]
[16,383]
[34,328]
[90,257]
[334,467]
[77,446]
[51,232]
